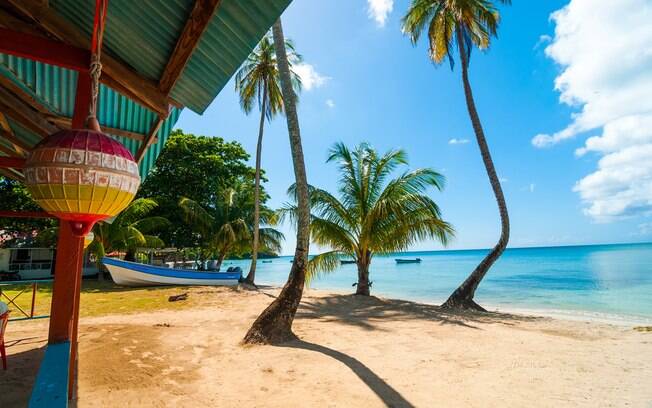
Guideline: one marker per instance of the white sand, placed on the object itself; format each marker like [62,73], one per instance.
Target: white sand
[354,352]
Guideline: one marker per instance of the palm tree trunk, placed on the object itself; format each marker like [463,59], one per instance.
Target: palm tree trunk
[363,287]
[274,325]
[220,260]
[462,297]
[251,276]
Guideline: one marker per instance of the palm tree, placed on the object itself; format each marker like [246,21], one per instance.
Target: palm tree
[465,23]
[274,325]
[373,214]
[130,230]
[226,228]
[258,81]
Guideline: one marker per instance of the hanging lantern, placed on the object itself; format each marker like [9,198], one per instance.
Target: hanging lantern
[82,176]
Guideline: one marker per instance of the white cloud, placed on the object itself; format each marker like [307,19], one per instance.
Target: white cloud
[330,103]
[310,78]
[379,10]
[532,187]
[458,141]
[543,39]
[503,179]
[604,48]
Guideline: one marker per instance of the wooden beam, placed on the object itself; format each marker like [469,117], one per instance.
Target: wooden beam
[8,20]
[19,111]
[201,15]
[122,78]
[13,175]
[66,123]
[9,152]
[25,96]
[12,163]
[149,140]
[5,129]
[15,141]
[43,50]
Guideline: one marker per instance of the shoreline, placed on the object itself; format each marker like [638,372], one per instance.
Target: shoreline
[575,315]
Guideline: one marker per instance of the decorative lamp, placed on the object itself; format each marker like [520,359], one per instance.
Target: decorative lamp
[82,176]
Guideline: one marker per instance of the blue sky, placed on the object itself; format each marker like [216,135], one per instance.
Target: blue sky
[559,151]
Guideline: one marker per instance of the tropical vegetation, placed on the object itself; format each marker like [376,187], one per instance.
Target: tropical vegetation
[225,227]
[374,214]
[463,24]
[131,230]
[258,83]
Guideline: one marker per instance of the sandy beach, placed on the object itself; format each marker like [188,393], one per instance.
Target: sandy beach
[353,352]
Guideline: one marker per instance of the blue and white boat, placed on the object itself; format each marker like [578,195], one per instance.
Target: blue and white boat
[135,274]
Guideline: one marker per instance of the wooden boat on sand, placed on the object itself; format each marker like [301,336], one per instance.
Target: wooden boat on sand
[134,274]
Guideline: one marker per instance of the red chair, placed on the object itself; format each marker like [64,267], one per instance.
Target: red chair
[4,318]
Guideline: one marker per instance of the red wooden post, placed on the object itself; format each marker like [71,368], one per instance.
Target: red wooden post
[66,270]
[34,287]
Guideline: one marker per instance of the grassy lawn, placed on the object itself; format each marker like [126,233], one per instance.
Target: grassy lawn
[103,298]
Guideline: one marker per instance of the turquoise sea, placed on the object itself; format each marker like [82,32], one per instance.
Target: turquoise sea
[613,282]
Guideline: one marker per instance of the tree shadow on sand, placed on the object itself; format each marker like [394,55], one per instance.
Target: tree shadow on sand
[365,312]
[384,391]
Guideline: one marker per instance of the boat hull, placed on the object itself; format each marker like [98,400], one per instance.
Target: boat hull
[134,274]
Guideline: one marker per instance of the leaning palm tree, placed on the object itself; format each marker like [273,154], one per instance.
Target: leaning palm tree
[274,324]
[374,215]
[465,24]
[258,81]
[130,230]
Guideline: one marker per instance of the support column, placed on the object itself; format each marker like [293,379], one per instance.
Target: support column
[67,271]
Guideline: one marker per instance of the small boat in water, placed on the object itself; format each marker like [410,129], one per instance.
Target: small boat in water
[408,261]
[134,274]
[346,262]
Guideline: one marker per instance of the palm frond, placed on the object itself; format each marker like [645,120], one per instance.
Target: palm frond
[322,264]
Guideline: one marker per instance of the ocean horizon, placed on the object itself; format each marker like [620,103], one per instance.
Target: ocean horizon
[612,282]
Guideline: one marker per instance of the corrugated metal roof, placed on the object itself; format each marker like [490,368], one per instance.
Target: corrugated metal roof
[229,38]
[144,34]
[55,88]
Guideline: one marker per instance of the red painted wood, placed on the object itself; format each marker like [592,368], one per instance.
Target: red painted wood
[25,214]
[43,50]
[82,101]
[67,268]
[12,162]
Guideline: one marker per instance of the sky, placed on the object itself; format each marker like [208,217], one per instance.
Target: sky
[564,94]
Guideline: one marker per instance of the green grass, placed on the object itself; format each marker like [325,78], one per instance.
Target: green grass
[103,298]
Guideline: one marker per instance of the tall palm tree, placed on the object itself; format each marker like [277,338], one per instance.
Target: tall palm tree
[373,214]
[465,24]
[258,81]
[130,230]
[274,325]
[225,229]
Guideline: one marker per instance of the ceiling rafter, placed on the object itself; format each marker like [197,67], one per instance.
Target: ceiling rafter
[115,74]
[200,17]
[21,112]
[149,139]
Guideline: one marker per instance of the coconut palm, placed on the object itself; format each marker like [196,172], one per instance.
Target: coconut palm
[225,229]
[373,214]
[130,230]
[258,82]
[465,24]
[274,325]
